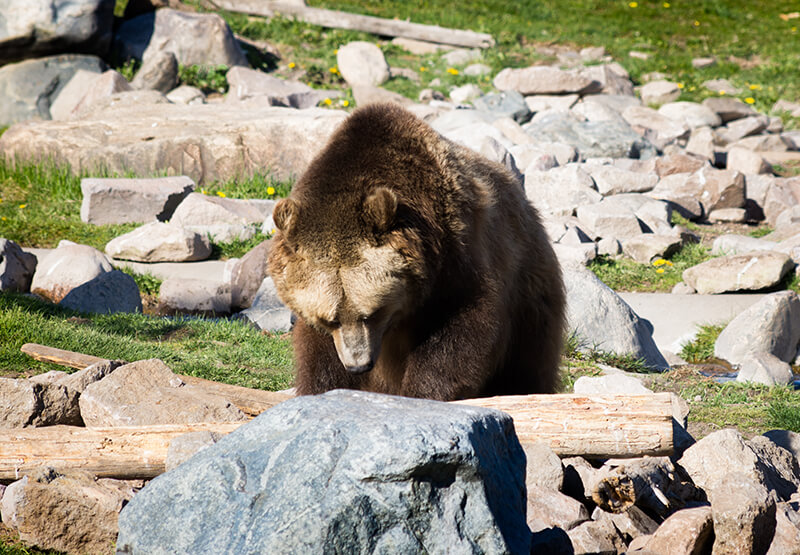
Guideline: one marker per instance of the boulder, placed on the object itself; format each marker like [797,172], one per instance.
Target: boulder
[185,446]
[146,392]
[613,138]
[685,532]
[561,190]
[701,143]
[93,373]
[728,108]
[504,104]
[158,73]
[267,311]
[247,275]
[611,180]
[691,114]
[193,38]
[654,214]
[265,89]
[29,88]
[677,162]
[543,467]
[221,219]
[137,200]
[25,403]
[67,267]
[102,88]
[16,267]
[596,536]
[544,80]
[658,129]
[37,28]
[764,368]
[659,92]
[747,161]
[741,272]
[771,325]
[362,63]
[740,128]
[175,139]
[603,321]
[613,79]
[380,474]
[609,219]
[646,247]
[160,242]
[194,296]
[63,106]
[71,512]
[549,507]
[108,293]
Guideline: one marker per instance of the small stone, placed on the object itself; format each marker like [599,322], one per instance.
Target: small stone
[186,94]
[542,80]
[659,92]
[159,73]
[362,63]
[543,468]
[728,215]
[703,63]
[722,86]
[461,56]
[765,369]
[747,162]
[729,109]
[504,104]
[646,247]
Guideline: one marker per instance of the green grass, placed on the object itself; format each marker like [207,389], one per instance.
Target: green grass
[222,350]
[147,283]
[701,348]
[579,354]
[784,415]
[623,274]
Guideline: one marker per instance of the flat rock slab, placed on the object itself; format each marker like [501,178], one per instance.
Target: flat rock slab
[207,142]
[160,242]
[121,201]
[741,272]
[343,472]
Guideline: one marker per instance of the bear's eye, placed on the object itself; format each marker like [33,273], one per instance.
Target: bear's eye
[329,323]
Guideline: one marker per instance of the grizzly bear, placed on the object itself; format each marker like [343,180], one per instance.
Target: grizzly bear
[415,267]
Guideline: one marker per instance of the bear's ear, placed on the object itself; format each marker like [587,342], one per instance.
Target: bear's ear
[379,209]
[285,216]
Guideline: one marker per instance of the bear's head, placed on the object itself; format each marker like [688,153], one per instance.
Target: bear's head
[348,267]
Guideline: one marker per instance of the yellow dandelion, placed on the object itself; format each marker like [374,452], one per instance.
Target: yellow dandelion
[633,4]
[750,100]
[21,206]
[659,262]
[292,65]
[221,194]
[3,218]
[660,271]
[327,102]
[722,92]
[334,70]
[697,23]
[755,87]
[794,29]
[336,51]
[680,85]
[423,68]
[665,4]
[692,88]
[272,231]
[345,103]
[270,191]
[452,71]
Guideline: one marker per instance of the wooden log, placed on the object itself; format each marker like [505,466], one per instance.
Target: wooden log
[356,22]
[250,401]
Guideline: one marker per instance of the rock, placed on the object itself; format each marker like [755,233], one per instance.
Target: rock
[611,180]
[185,446]
[67,267]
[599,537]
[475,136]
[631,524]
[532,158]
[175,139]
[787,529]
[747,162]
[504,104]
[764,368]
[25,404]
[367,94]
[461,56]
[362,63]
[771,325]
[646,247]
[465,93]
[743,127]
[146,392]
[609,219]
[543,80]
[108,293]
[703,63]
[94,373]
[613,138]
[601,319]
[222,219]
[194,38]
[739,244]
[701,143]
[779,197]
[654,214]
[659,92]
[685,532]
[712,460]
[722,86]
[419,47]
[605,107]
[30,87]
[658,129]
[612,384]
[159,242]
[70,512]
[399,475]
[477,70]
[714,189]
[548,507]
[267,311]
[728,215]
[560,190]
[742,272]
[511,129]
[159,73]
[691,114]
[612,79]
[186,94]
[728,109]
[543,467]
[63,106]
[102,88]
[247,275]
[194,296]
[744,516]
[787,439]
[557,102]
[40,28]
[16,267]
[246,83]
[677,163]
[138,200]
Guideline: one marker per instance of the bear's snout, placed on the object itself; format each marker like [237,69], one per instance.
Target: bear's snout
[363,369]
[358,346]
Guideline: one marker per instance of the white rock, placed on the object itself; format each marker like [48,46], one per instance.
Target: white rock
[764,368]
[613,384]
[659,92]
[68,266]
[362,63]
[691,114]
[159,242]
[747,162]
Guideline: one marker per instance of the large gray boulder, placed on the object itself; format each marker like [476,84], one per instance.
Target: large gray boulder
[603,321]
[67,267]
[160,242]
[16,267]
[25,403]
[343,472]
[267,311]
[177,139]
[29,88]
[122,200]
[108,293]
[194,38]
[35,28]
[739,272]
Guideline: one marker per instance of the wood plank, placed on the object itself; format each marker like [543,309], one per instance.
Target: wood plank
[357,22]
[61,357]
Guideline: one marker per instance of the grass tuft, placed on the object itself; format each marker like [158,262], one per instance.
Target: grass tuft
[701,348]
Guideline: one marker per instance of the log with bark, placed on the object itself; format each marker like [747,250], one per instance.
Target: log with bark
[356,22]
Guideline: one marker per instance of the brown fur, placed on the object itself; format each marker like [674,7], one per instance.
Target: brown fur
[421,259]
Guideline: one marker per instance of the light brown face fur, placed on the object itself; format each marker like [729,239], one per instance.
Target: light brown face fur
[355,304]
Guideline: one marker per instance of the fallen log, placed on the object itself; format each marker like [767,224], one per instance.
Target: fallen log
[356,22]
[603,426]
[250,401]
